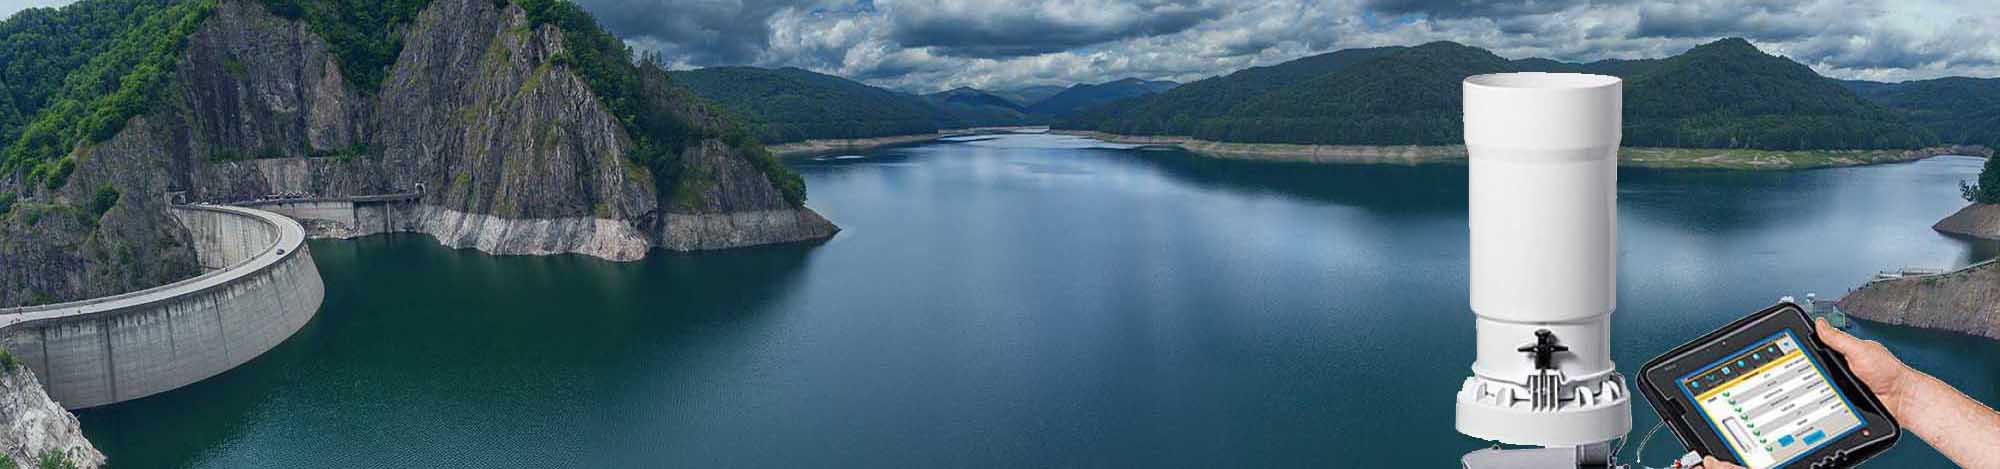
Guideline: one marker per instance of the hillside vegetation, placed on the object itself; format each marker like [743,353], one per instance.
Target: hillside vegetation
[1086,96]
[98,97]
[114,59]
[1725,94]
[643,97]
[963,107]
[790,104]
[1960,110]
[40,47]
[363,33]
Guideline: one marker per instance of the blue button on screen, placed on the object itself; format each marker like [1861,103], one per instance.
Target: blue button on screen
[1785,441]
[1815,436]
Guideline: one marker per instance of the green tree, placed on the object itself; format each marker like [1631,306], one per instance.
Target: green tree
[98,97]
[1987,191]
[364,34]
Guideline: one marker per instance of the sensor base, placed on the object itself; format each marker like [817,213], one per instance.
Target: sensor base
[1503,412]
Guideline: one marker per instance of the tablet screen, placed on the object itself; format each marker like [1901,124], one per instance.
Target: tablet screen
[1771,402]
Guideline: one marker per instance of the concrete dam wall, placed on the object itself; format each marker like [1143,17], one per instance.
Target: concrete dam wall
[348,217]
[260,287]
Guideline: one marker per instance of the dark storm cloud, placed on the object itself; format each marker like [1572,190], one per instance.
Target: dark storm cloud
[930,45]
[1769,21]
[699,31]
[959,29]
[1471,8]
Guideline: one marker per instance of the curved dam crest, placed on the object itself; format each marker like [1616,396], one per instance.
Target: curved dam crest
[260,287]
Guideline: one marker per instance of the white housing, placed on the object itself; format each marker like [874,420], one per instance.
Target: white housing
[1543,195]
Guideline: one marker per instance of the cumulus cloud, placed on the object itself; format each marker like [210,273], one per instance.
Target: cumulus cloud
[930,45]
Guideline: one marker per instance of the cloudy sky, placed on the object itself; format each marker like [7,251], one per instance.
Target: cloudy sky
[929,45]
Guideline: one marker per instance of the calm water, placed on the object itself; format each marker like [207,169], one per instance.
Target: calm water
[1026,301]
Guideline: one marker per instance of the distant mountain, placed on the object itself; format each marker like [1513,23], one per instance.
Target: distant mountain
[1726,94]
[972,97]
[1960,110]
[1178,111]
[1085,96]
[1029,95]
[790,104]
[968,107]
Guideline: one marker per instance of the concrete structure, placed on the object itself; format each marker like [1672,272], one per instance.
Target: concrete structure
[348,217]
[261,286]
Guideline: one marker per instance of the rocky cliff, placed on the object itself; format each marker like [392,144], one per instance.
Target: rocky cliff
[513,150]
[33,427]
[1965,301]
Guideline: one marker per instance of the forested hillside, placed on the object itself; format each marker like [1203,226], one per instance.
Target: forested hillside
[1958,109]
[1028,95]
[533,130]
[963,107]
[41,46]
[1728,94]
[1725,94]
[790,104]
[121,80]
[1086,96]
[1180,110]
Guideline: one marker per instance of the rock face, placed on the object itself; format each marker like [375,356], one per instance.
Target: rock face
[513,152]
[1976,220]
[35,425]
[1966,301]
[59,248]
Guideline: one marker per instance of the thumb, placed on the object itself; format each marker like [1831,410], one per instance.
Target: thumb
[1840,341]
[1709,462]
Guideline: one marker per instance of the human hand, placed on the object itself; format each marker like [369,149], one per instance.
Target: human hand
[1873,364]
[1709,462]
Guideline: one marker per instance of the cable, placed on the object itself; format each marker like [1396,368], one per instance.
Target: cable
[1641,453]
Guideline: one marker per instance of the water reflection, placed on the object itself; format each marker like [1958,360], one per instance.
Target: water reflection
[412,336]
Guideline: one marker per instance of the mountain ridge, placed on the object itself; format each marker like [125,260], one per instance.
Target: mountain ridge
[1086,95]
[1762,102]
[504,111]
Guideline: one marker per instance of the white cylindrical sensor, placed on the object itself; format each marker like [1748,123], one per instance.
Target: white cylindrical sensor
[1543,206]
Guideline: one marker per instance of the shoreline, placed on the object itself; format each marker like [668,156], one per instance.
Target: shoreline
[835,145]
[1639,157]
[1959,301]
[1980,221]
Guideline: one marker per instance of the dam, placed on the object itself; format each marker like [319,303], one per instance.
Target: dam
[259,286]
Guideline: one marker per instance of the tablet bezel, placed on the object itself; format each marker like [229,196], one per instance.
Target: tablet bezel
[1658,381]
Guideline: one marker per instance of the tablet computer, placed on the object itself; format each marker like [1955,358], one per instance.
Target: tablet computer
[1763,392]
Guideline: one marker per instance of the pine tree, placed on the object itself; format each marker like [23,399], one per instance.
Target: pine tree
[1989,182]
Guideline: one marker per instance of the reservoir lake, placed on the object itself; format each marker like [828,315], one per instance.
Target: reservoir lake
[1023,301]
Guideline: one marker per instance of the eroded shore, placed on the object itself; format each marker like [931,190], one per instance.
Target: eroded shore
[837,145]
[1688,158]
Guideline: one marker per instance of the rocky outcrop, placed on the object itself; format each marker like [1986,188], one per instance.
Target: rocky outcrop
[107,231]
[32,425]
[515,154]
[1967,301]
[1976,220]
[521,158]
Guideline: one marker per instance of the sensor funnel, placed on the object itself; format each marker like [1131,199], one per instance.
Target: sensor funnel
[1543,203]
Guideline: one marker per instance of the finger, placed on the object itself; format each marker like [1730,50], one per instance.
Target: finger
[1835,338]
